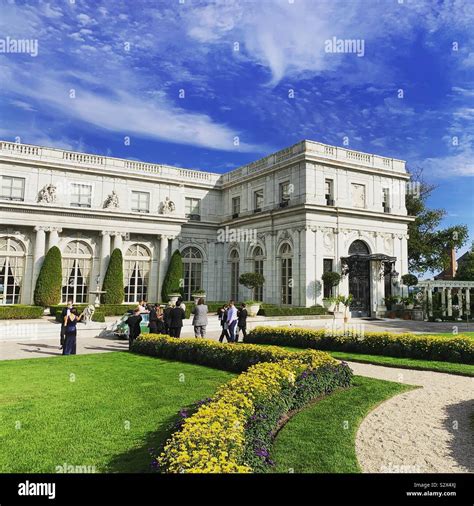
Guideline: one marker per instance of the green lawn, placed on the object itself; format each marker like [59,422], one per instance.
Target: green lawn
[321,438]
[104,410]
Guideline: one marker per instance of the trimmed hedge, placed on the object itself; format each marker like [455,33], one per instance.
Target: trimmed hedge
[173,277]
[98,316]
[49,281]
[20,312]
[232,432]
[113,280]
[291,311]
[456,349]
[107,309]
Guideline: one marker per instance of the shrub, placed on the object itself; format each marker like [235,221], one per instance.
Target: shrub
[232,431]
[251,280]
[173,277]
[331,279]
[98,316]
[113,280]
[48,284]
[409,280]
[20,312]
[107,309]
[291,311]
[456,349]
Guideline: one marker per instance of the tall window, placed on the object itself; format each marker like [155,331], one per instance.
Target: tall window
[258,268]
[81,195]
[386,200]
[192,209]
[140,202]
[77,266]
[235,207]
[284,193]
[327,267]
[137,273]
[258,201]
[286,255]
[12,266]
[234,275]
[192,260]
[12,188]
[329,192]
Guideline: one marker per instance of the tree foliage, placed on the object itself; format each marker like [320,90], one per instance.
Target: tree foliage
[429,245]
[465,270]
[113,279]
[251,280]
[174,277]
[48,284]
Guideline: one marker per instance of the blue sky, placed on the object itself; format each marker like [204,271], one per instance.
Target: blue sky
[128,64]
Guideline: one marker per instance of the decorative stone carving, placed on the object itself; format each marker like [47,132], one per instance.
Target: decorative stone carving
[167,206]
[112,201]
[328,241]
[48,194]
[88,313]
[388,242]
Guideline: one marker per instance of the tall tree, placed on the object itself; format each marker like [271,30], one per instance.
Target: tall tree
[429,246]
[173,282]
[113,279]
[48,284]
[465,270]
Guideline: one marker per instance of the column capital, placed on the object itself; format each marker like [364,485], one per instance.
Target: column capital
[105,232]
[40,228]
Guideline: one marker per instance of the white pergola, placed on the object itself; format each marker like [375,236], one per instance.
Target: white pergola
[446,287]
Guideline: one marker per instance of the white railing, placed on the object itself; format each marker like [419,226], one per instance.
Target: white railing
[23,149]
[82,158]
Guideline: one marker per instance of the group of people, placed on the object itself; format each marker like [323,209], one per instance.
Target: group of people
[233,321]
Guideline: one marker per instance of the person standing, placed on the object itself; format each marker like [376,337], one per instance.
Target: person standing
[242,321]
[70,333]
[65,312]
[167,318]
[177,315]
[153,319]
[134,329]
[222,315]
[181,304]
[200,318]
[232,320]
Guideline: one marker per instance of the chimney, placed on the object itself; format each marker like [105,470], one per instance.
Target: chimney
[453,264]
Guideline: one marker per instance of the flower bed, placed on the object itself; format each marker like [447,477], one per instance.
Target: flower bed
[232,431]
[20,312]
[456,349]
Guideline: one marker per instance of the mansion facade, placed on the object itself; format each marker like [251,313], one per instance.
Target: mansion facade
[290,216]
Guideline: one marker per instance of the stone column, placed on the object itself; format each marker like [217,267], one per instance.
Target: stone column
[450,302]
[104,254]
[443,301]
[39,252]
[163,262]
[460,302]
[53,237]
[430,301]
[318,258]
[468,301]
[118,241]
[309,267]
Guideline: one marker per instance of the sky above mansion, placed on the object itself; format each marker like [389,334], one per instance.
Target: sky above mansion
[214,85]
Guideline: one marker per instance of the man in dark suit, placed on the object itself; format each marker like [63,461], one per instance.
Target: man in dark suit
[177,315]
[134,329]
[65,312]
[242,321]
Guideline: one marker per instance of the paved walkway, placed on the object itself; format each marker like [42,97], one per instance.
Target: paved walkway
[425,430]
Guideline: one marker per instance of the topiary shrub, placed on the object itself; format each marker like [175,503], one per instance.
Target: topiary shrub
[331,279]
[20,312]
[113,280]
[409,280]
[174,275]
[48,284]
[251,280]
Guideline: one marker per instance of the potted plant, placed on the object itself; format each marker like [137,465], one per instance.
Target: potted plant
[329,303]
[330,279]
[408,302]
[252,280]
[253,307]
[347,301]
[198,294]
[391,301]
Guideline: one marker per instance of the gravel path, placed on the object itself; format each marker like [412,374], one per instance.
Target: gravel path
[425,430]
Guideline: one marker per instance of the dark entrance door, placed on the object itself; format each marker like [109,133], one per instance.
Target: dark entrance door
[359,278]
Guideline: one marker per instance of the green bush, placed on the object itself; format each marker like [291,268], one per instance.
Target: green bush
[113,280]
[456,349]
[268,310]
[49,282]
[173,277]
[98,315]
[20,312]
[107,309]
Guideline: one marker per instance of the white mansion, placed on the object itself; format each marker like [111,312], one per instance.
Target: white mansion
[290,216]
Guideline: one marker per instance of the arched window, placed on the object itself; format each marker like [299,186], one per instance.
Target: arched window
[286,260]
[137,273]
[76,267]
[358,248]
[234,275]
[258,268]
[192,260]
[12,266]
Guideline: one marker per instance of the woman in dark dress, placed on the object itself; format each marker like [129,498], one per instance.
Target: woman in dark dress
[70,323]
